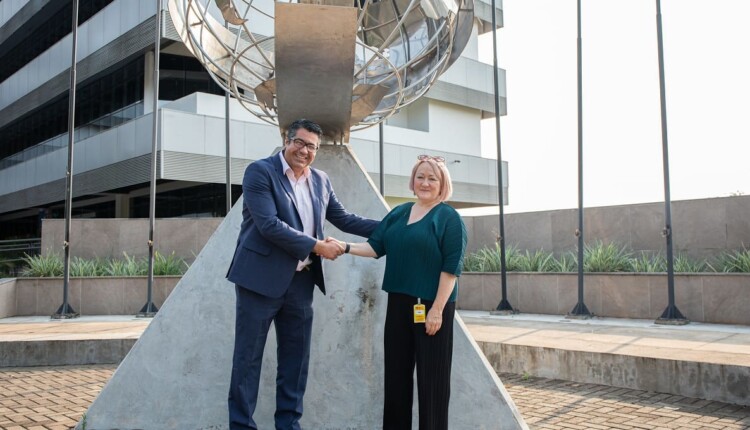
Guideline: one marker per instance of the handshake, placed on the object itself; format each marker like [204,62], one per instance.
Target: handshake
[330,248]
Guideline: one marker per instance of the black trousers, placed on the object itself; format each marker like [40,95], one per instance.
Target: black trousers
[406,344]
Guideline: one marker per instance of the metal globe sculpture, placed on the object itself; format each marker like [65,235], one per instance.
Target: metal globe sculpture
[400,48]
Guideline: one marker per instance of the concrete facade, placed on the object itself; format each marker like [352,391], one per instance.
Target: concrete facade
[701,228]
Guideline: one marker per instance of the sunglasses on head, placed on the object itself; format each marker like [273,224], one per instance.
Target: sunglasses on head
[425,157]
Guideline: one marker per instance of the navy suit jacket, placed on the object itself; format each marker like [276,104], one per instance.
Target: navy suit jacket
[271,241]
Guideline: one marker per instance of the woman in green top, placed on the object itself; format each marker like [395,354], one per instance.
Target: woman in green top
[425,243]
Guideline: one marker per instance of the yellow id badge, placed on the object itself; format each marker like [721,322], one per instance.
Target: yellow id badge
[419,313]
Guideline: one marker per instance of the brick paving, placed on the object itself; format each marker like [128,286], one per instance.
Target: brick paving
[556,404]
[55,398]
[49,398]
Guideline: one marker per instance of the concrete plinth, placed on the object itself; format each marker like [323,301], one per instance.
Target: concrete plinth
[177,374]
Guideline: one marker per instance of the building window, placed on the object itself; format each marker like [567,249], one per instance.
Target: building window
[94,100]
[180,76]
[40,32]
[207,200]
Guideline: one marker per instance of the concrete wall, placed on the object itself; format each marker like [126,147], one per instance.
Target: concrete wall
[711,381]
[710,298]
[110,237]
[7,297]
[701,228]
[88,296]
[722,298]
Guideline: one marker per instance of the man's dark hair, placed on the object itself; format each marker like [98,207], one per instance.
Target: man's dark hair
[308,125]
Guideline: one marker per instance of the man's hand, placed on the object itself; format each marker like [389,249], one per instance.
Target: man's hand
[338,242]
[328,249]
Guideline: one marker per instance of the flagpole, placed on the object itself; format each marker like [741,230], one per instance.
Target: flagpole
[504,305]
[150,309]
[65,311]
[580,311]
[671,314]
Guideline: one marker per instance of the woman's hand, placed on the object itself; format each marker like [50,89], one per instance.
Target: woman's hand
[434,321]
[361,249]
[340,243]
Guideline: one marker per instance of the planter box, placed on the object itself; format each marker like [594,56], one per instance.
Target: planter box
[88,296]
[722,298]
[7,297]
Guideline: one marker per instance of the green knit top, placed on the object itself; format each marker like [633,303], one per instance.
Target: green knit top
[419,252]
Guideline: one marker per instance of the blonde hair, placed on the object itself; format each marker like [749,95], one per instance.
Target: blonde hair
[438,167]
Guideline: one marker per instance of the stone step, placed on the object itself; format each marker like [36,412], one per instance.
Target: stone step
[706,361]
[41,341]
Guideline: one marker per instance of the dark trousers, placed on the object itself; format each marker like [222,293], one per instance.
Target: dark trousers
[406,345]
[292,315]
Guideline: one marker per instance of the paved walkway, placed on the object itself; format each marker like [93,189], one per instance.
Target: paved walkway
[556,404]
[39,328]
[48,398]
[55,398]
[698,342]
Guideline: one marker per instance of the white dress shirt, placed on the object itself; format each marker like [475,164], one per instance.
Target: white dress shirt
[301,189]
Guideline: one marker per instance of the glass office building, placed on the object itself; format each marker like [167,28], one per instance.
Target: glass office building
[114,108]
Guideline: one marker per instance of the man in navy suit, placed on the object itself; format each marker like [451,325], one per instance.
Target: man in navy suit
[275,267]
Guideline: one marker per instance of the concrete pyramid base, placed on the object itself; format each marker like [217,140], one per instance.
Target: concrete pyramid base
[177,374]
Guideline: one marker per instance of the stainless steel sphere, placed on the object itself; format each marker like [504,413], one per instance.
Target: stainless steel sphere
[401,47]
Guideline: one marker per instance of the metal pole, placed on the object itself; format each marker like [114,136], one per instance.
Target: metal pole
[229,154]
[504,305]
[66,311]
[382,173]
[227,118]
[671,314]
[580,310]
[150,309]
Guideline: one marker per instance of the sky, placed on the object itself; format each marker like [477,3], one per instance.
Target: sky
[707,78]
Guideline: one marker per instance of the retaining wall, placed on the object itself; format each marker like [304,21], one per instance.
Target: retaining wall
[701,228]
[722,298]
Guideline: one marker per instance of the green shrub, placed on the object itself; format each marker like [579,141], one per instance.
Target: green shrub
[513,259]
[683,264]
[81,267]
[130,266]
[169,265]
[471,263]
[735,261]
[539,261]
[49,265]
[648,263]
[488,260]
[568,262]
[484,260]
[606,258]
[601,258]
